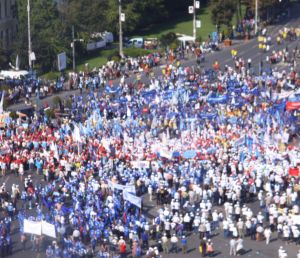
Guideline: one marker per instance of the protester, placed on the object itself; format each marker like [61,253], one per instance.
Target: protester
[201,145]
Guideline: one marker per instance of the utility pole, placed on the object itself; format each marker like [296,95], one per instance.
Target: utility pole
[73,48]
[120,30]
[194,21]
[29,36]
[256,16]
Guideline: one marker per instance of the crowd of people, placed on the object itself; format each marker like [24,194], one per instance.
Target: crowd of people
[201,146]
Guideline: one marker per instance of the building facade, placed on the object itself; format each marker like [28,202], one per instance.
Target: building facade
[8,22]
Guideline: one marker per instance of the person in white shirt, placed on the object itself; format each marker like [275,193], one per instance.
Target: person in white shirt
[232,245]
[174,241]
[282,253]
[267,234]
[239,246]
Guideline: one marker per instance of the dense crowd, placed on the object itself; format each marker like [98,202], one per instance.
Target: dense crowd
[201,145]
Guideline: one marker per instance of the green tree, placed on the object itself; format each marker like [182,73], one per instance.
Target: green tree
[46,34]
[222,12]
[168,39]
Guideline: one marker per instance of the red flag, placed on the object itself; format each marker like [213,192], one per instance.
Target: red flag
[294,171]
[292,106]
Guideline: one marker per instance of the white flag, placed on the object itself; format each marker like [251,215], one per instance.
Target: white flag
[76,134]
[128,112]
[2,102]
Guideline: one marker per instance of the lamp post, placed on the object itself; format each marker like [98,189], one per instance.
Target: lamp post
[73,47]
[29,35]
[192,10]
[256,16]
[194,21]
[121,19]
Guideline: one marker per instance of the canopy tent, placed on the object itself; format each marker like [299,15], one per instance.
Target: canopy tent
[184,38]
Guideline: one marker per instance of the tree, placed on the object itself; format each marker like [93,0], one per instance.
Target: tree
[168,39]
[222,12]
[46,34]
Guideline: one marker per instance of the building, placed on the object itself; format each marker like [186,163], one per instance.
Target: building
[8,22]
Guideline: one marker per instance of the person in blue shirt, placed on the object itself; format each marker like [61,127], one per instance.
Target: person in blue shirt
[184,244]
[49,252]
[57,251]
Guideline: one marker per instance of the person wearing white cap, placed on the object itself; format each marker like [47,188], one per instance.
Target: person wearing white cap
[174,241]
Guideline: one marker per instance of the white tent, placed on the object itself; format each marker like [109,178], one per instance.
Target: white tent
[12,74]
[184,38]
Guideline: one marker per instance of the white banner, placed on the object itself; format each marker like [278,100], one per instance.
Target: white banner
[198,24]
[128,188]
[32,227]
[191,9]
[122,17]
[283,95]
[48,229]
[140,164]
[197,4]
[137,201]
[62,61]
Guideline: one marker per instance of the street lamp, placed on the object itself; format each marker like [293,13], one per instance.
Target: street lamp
[192,10]
[29,35]
[73,47]
[256,16]
[121,19]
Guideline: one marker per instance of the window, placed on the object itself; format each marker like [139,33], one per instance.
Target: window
[0,10]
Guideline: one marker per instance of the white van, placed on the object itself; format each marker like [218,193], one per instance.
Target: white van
[136,42]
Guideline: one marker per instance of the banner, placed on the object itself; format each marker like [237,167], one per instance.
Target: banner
[217,100]
[292,106]
[140,164]
[48,229]
[137,201]
[62,61]
[283,95]
[128,188]
[32,227]
[166,154]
